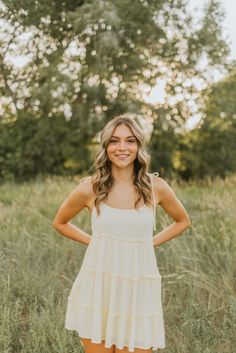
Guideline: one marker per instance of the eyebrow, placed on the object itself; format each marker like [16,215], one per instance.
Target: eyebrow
[126,137]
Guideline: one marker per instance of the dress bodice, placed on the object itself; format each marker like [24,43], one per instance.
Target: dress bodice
[125,224]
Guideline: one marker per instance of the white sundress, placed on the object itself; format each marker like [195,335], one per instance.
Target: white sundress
[116,296]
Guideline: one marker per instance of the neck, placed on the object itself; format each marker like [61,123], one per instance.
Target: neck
[123,176]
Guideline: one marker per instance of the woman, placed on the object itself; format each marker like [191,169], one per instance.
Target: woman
[115,301]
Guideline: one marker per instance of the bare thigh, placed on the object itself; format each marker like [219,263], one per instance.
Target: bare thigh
[90,347]
[136,350]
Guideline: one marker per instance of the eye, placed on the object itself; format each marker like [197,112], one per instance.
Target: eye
[116,141]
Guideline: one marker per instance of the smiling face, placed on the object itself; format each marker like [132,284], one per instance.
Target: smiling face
[122,147]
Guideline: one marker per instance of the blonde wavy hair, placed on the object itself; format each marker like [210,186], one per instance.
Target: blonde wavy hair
[102,178]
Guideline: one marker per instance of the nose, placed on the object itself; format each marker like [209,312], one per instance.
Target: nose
[122,145]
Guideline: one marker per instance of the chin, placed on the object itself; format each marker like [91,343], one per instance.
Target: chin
[122,164]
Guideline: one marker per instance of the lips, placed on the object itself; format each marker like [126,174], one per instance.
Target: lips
[122,156]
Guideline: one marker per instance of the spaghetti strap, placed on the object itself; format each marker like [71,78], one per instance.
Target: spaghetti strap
[154,201]
[83,179]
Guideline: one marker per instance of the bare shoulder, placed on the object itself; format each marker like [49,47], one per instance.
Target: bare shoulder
[82,193]
[85,187]
[161,187]
[78,199]
[159,182]
[169,201]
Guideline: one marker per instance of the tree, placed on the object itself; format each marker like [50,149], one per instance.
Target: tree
[90,59]
[210,149]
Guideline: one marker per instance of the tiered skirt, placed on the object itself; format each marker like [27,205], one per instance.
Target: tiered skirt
[116,296]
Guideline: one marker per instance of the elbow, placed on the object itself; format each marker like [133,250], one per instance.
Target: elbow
[185,223]
[188,223]
[55,224]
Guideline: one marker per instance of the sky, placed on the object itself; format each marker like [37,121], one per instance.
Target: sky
[229,23]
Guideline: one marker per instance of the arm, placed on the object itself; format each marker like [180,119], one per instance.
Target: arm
[74,203]
[174,208]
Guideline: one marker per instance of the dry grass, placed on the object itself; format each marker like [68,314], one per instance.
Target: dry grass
[38,267]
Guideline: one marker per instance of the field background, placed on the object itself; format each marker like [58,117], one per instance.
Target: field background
[38,267]
[67,68]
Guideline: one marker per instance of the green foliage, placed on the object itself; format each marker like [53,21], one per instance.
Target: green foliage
[210,149]
[40,146]
[163,143]
[87,61]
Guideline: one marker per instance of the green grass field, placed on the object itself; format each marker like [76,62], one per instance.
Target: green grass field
[38,267]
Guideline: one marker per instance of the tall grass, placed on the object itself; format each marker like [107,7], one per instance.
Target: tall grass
[38,267]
